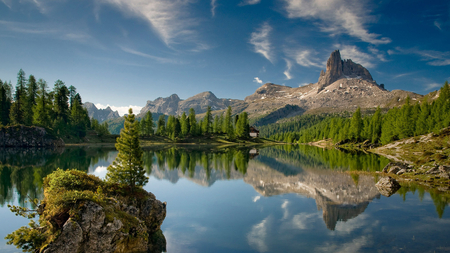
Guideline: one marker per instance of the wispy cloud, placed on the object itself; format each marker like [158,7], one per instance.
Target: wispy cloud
[438,25]
[379,54]
[8,3]
[213,7]
[432,57]
[122,110]
[261,43]
[156,58]
[431,86]
[336,17]
[306,58]
[287,72]
[356,55]
[257,236]
[249,2]
[170,19]
[402,75]
[257,80]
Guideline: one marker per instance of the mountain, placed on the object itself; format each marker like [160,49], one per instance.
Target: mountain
[173,105]
[100,114]
[344,85]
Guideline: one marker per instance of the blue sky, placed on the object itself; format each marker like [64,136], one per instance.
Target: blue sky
[125,52]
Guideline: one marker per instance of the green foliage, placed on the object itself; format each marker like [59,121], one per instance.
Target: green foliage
[127,168]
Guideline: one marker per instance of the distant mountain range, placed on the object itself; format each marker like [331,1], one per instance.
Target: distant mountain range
[344,85]
[100,114]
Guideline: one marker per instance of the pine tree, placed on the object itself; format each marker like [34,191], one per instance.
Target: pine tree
[356,125]
[161,126]
[148,119]
[30,101]
[17,113]
[376,126]
[184,125]
[128,167]
[206,126]
[216,124]
[242,126]
[41,111]
[227,124]
[5,103]
[192,122]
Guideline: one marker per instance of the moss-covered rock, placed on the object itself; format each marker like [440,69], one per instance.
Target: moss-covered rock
[82,213]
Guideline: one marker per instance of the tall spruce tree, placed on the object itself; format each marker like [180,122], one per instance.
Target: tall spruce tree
[161,126]
[128,167]
[356,125]
[206,126]
[30,101]
[192,122]
[5,103]
[41,115]
[184,125]
[17,113]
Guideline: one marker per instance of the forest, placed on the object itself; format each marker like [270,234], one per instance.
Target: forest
[60,110]
[411,119]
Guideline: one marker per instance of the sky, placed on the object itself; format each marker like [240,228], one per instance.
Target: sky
[125,52]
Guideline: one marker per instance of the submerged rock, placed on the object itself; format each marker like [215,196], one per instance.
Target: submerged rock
[387,186]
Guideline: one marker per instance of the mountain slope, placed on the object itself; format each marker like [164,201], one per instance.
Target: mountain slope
[100,114]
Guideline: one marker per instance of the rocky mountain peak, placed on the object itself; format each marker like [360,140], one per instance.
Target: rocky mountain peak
[338,68]
[100,114]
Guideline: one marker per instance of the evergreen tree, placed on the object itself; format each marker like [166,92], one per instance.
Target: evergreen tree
[376,124]
[78,117]
[184,125]
[17,113]
[356,125]
[227,124]
[147,123]
[206,126]
[41,111]
[242,126]
[30,101]
[72,94]
[219,127]
[5,103]
[216,124]
[61,106]
[192,122]
[161,126]
[128,167]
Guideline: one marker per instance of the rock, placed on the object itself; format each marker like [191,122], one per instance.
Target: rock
[444,175]
[100,114]
[69,240]
[400,172]
[26,137]
[394,169]
[444,168]
[434,170]
[387,186]
[337,68]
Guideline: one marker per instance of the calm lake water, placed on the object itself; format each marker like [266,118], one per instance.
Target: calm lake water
[276,199]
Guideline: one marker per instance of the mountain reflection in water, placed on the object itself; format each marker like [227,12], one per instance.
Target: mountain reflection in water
[275,173]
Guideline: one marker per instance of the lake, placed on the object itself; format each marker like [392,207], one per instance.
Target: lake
[274,199]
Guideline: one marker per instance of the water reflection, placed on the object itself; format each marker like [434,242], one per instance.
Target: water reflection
[304,170]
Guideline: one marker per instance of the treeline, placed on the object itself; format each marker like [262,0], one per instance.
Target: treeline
[178,127]
[398,123]
[59,110]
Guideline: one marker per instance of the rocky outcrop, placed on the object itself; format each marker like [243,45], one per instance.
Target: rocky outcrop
[93,232]
[27,137]
[100,114]
[337,69]
[387,186]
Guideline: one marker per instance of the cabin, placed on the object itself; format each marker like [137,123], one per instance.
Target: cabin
[254,132]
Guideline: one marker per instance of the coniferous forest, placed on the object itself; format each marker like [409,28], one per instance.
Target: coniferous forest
[411,119]
[31,103]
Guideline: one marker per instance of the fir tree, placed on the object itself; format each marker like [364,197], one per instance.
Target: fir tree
[356,125]
[30,101]
[41,111]
[17,113]
[192,122]
[206,126]
[5,103]
[161,126]
[227,124]
[184,125]
[128,167]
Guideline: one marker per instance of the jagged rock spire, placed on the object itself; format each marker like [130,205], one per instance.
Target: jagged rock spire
[337,69]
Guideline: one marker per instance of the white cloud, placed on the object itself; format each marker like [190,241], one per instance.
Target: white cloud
[256,198]
[122,110]
[8,3]
[257,80]
[438,25]
[100,171]
[260,40]
[156,58]
[284,206]
[357,56]
[303,220]
[287,72]
[402,75]
[257,236]
[249,2]
[380,55]
[302,84]
[213,7]
[305,58]
[353,246]
[169,18]
[431,86]
[337,16]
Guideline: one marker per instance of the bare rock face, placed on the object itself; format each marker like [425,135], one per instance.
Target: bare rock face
[100,114]
[26,137]
[337,69]
[387,186]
